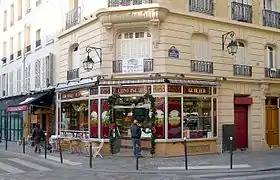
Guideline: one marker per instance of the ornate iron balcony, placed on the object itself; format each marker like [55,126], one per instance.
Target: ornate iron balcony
[148,66]
[117,3]
[28,48]
[11,57]
[38,43]
[73,17]
[271,18]
[242,70]
[241,12]
[202,6]
[19,53]
[202,66]
[73,74]
[271,73]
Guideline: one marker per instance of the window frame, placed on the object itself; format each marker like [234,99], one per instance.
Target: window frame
[270,49]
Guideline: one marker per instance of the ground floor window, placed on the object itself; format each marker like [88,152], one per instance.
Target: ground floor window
[11,125]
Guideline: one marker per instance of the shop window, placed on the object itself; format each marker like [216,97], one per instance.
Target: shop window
[105,118]
[160,117]
[74,118]
[197,117]
[215,117]
[94,119]
[174,118]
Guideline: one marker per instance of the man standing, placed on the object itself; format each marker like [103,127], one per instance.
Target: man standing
[136,138]
[37,136]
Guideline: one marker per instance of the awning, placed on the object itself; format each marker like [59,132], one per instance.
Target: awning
[71,85]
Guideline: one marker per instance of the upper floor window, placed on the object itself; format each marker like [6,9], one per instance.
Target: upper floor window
[242,10]
[241,54]
[5,20]
[12,15]
[38,38]
[11,48]
[202,6]
[11,83]
[74,57]
[27,6]
[37,74]
[4,48]
[19,45]
[270,5]
[200,48]
[271,57]
[19,81]
[19,9]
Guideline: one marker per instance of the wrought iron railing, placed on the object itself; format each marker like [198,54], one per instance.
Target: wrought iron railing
[271,18]
[241,12]
[73,17]
[73,74]
[202,6]
[202,66]
[11,57]
[271,73]
[242,70]
[28,48]
[148,66]
[38,43]
[18,53]
[117,3]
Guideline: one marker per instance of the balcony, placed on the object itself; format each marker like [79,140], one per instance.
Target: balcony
[202,66]
[241,12]
[148,66]
[11,57]
[38,43]
[73,74]
[117,3]
[242,70]
[271,18]
[202,6]
[28,48]
[4,60]
[19,53]
[271,73]
[73,17]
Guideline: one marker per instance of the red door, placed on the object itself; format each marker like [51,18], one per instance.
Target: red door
[241,126]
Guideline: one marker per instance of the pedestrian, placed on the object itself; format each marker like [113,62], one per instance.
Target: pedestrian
[136,138]
[37,136]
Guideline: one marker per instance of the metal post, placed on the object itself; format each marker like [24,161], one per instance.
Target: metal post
[231,151]
[46,144]
[60,151]
[90,154]
[6,132]
[137,156]
[186,153]
[23,145]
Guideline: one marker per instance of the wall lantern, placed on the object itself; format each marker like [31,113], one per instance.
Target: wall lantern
[89,63]
[232,46]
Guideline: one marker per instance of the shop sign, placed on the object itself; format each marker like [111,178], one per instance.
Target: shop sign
[105,90]
[158,88]
[174,89]
[75,94]
[94,91]
[173,52]
[196,90]
[17,108]
[133,65]
[132,90]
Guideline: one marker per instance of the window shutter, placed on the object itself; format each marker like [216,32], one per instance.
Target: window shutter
[205,51]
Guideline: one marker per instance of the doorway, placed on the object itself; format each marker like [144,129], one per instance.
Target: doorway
[272,130]
[241,126]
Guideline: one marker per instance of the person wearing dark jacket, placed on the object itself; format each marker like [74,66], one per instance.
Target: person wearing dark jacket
[37,136]
[136,138]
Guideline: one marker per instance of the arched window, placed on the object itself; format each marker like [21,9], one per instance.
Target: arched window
[271,57]
[241,54]
[74,57]
[200,48]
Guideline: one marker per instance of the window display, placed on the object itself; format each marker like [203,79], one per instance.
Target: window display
[197,117]
[94,119]
[105,118]
[174,118]
[160,117]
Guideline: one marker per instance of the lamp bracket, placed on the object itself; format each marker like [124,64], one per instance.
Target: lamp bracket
[225,37]
[89,49]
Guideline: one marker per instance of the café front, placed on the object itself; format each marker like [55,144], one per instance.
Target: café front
[181,108]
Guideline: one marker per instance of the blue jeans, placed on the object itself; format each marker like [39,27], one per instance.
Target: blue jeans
[136,146]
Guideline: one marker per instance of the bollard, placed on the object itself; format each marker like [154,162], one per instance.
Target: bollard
[231,151]
[46,144]
[60,151]
[137,157]
[23,145]
[186,153]
[90,154]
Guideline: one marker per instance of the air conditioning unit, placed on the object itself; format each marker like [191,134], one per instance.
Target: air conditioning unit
[272,72]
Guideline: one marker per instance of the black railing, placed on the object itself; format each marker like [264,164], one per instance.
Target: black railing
[117,3]
[241,12]
[28,48]
[148,66]
[4,60]
[201,66]
[11,57]
[19,53]
[271,18]
[73,74]
[242,70]
[73,17]
[202,6]
[271,73]
[38,43]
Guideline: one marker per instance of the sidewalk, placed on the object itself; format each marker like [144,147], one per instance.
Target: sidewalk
[243,161]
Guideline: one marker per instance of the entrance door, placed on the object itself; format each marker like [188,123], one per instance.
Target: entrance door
[241,126]
[272,129]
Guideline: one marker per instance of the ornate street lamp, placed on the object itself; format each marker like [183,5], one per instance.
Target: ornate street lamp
[232,46]
[89,63]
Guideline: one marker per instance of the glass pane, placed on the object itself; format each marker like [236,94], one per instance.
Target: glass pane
[197,117]
[105,118]
[174,117]
[215,125]
[94,119]
[160,117]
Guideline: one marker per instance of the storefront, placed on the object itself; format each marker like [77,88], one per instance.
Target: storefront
[183,108]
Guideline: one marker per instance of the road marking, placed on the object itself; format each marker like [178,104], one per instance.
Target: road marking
[216,175]
[29,164]
[260,176]
[237,166]
[65,161]
[10,169]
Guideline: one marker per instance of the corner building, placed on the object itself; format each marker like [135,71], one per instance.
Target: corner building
[173,50]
